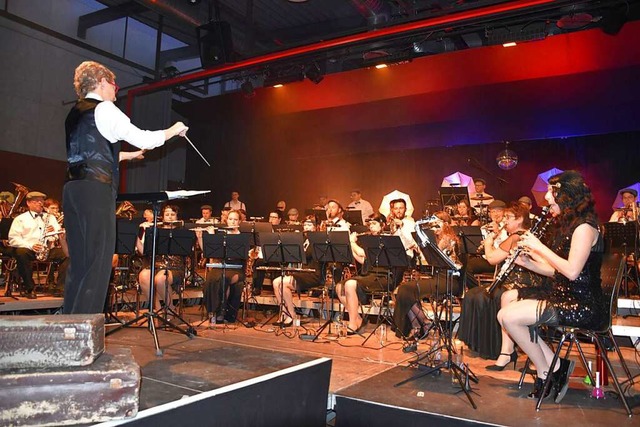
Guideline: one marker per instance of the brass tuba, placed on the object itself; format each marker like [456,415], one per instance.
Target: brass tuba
[9,211]
[126,210]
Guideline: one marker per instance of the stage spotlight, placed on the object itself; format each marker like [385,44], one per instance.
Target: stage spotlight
[313,73]
[247,89]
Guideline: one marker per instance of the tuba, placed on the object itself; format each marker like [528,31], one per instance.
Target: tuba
[8,211]
[126,210]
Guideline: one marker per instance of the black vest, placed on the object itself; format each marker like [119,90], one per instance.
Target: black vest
[90,155]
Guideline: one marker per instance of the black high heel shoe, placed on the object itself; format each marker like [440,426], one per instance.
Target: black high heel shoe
[513,357]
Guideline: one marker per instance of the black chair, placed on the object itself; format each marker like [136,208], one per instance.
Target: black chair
[611,273]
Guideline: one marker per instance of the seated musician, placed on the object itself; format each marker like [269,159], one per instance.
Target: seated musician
[372,279]
[169,268]
[478,264]
[480,199]
[408,315]
[207,215]
[629,209]
[479,327]
[334,221]
[293,217]
[52,207]
[31,238]
[275,218]
[233,281]
[401,224]
[283,287]
[464,216]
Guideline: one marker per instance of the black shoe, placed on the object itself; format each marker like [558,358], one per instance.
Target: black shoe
[561,378]
[513,357]
[537,389]
[29,295]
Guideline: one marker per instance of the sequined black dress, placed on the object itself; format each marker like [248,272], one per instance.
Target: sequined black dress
[578,302]
[479,327]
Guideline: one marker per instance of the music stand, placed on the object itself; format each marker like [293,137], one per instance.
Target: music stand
[282,249]
[330,247]
[450,196]
[353,216]
[126,236]
[155,199]
[471,238]
[320,214]
[388,252]
[172,242]
[621,236]
[438,259]
[5,226]
[227,247]
[255,228]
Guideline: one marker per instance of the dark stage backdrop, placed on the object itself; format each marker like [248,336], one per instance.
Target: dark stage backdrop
[261,158]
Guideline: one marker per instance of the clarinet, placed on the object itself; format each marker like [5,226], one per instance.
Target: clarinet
[537,229]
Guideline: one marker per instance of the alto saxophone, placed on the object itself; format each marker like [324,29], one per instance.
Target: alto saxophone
[43,253]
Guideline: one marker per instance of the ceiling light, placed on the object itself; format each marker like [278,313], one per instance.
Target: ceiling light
[381,66]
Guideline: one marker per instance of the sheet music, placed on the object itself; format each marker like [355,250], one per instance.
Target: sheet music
[183,194]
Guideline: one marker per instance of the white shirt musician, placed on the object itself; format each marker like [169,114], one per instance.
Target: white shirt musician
[481,199]
[31,233]
[358,203]
[235,203]
[402,225]
[629,210]
[334,221]
[207,215]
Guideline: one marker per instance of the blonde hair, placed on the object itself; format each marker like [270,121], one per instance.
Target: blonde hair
[88,75]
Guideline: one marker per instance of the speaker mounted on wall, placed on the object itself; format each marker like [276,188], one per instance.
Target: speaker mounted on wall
[215,43]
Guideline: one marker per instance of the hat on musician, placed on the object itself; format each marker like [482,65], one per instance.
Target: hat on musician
[206,207]
[497,204]
[525,199]
[624,190]
[35,195]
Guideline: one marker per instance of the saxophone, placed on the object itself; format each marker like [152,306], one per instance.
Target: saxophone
[43,253]
[537,229]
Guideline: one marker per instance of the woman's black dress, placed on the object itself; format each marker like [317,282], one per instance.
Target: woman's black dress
[479,328]
[578,302]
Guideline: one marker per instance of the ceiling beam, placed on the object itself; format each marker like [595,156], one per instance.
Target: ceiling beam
[109,14]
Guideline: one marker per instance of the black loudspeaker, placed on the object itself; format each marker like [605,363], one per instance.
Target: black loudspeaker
[612,22]
[215,43]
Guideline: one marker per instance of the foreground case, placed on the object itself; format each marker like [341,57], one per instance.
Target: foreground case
[108,389]
[50,341]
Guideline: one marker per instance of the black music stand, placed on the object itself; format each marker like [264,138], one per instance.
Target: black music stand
[353,216]
[226,247]
[330,247]
[283,249]
[155,199]
[438,259]
[450,196]
[390,253]
[5,226]
[471,238]
[320,214]
[620,236]
[126,236]
[172,242]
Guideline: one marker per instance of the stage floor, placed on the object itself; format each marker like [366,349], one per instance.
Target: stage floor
[366,374]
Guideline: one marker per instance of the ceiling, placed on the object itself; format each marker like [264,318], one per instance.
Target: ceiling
[286,40]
